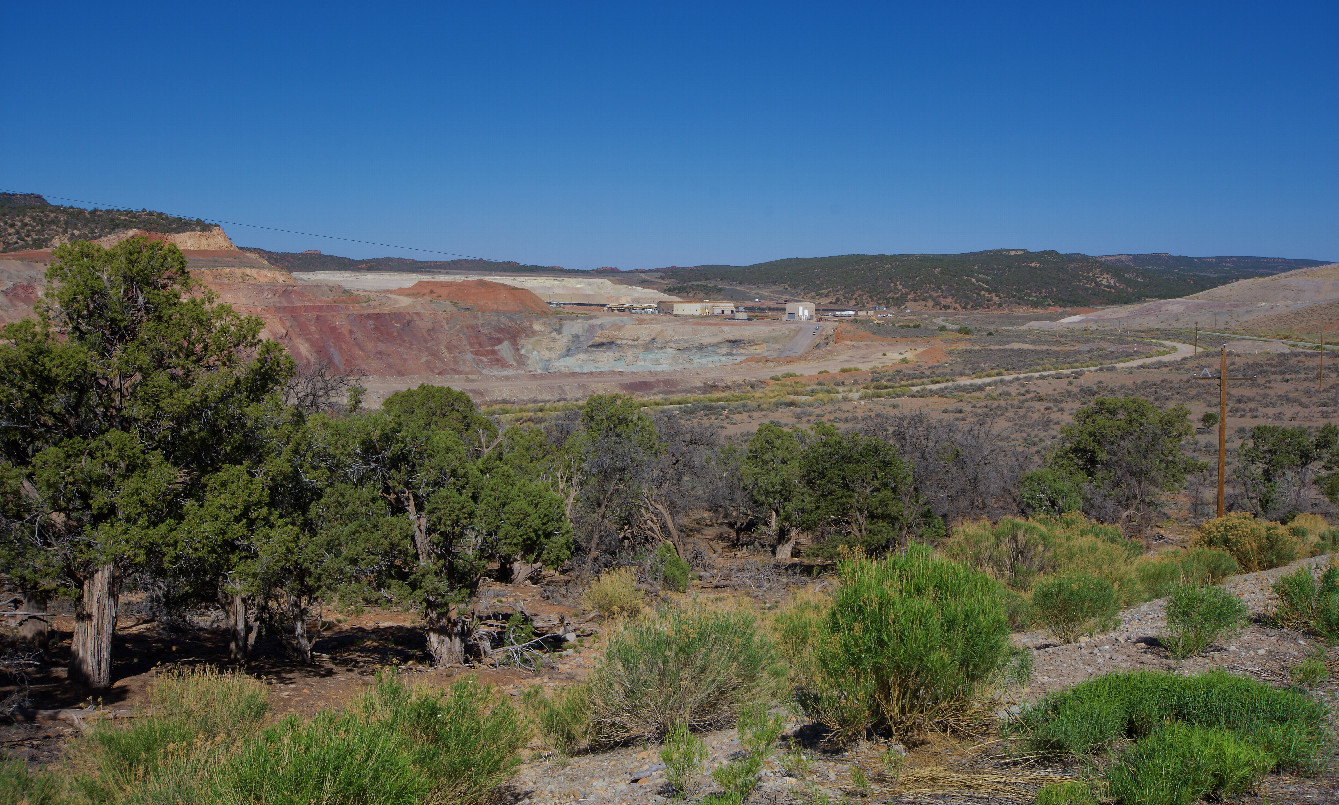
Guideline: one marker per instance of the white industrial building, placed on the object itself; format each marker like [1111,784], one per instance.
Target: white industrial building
[799,311]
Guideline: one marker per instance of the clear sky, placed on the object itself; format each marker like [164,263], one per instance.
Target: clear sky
[642,134]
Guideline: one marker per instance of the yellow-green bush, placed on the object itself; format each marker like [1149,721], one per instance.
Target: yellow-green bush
[1315,534]
[1017,552]
[1255,544]
[615,593]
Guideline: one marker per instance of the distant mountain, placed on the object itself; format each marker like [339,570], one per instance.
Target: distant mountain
[975,280]
[1234,268]
[316,261]
[29,221]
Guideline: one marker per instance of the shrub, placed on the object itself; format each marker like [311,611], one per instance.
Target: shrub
[189,712]
[563,719]
[1018,552]
[1050,492]
[674,571]
[1090,717]
[1070,793]
[908,641]
[758,732]
[1310,672]
[1161,576]
[1315,534]
[18,786]
[1076,604]
[1182,764]
[685,756]
[1255,544]
[393,746]
[1310,603]
[615,593]
[694,666]
[1197,615]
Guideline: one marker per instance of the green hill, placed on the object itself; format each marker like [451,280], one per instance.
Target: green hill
[975,280]
[29,221]
[1232,268]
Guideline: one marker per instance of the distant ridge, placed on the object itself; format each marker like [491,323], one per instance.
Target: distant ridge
[982,280]
[29,221]
[313,260]
[1233,267]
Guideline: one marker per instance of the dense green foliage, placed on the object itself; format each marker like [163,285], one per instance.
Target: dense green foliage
[1210,734]
[1092,716]
[1279,465]
[907,641]
[30,222]
[1127,454]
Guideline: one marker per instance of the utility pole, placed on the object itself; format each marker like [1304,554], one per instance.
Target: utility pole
[1197,338]
[1320,376]
[1222,421]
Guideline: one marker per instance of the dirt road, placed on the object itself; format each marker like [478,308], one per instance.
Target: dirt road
[1182,351]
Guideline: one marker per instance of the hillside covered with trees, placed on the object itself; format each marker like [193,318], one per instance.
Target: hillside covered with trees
[29,221]
[974,280]
[317,261]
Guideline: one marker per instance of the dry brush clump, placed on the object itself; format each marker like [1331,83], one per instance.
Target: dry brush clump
[1255,544]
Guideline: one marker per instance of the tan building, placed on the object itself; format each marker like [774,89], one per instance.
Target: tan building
[799,311]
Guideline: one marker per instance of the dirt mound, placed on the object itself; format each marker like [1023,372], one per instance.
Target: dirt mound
[484,296]
[215,239]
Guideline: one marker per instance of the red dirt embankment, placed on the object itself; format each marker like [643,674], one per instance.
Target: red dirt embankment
[484,296]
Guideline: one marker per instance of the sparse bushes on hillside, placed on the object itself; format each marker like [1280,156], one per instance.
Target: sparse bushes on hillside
[1255,544]
[1197,615]
[695,666]
[1075,604]
[908,641]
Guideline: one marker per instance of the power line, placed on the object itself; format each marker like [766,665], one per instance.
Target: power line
[275,229]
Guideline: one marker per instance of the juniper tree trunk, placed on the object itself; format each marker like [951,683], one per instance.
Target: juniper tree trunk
[94,625]
[33,628]
[242,627]
[446,639]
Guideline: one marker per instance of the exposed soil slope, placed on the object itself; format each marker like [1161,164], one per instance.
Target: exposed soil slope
[482,295]
[1239,304]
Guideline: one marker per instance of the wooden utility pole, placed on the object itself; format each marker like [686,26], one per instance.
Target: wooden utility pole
[1222,422]
[1197,338]
[1320,376]
[1222,428]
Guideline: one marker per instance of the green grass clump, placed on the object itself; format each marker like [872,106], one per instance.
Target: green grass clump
[685,757]
[1310,603]
[190,714]
[758,732]
[1070,793]
[393,746]
[907,641]
[18,786]
[1182,764]
[563,719]
[693,666]
[1311,671]
[1197,615]
[1076,604]
[1091,717]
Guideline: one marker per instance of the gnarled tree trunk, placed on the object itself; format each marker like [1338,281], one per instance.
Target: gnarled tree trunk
[94,625]
[33,628]
[242,626]
[446,639]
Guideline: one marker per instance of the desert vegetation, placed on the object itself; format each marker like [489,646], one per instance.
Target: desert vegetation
[820,586]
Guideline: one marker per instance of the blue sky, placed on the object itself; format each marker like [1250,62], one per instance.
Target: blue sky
[650,134]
